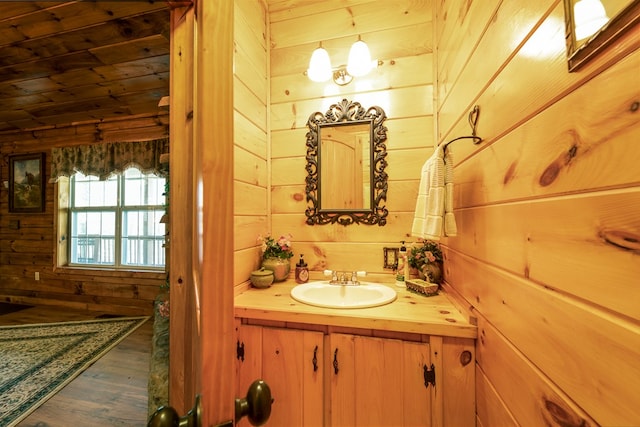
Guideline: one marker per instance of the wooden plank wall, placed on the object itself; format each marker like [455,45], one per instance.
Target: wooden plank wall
[399,34]
[30,249]
[251,148]
[547,254]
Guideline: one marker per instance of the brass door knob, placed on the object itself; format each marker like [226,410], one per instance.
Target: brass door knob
[167,416]
[257,405]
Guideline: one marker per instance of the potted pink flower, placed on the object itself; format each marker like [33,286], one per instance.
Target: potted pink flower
[427,259]
[276,254]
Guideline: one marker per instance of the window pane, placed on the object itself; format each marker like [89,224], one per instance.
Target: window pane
[93,238]
[116,223]
[91,192]
[143,189]
[143,238]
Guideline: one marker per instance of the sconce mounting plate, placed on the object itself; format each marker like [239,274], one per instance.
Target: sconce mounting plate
[341,77]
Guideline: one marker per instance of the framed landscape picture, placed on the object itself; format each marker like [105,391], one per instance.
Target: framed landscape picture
[26,183]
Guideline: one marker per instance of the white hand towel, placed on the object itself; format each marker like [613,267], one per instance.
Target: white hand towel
[433,216]
[448,197]
[435,201]
[450,227]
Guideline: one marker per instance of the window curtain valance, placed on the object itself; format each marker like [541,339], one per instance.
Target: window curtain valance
[103,160]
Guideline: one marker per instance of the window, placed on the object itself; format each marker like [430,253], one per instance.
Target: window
[116,223]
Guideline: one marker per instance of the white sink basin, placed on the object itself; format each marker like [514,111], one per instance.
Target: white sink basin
[322,294]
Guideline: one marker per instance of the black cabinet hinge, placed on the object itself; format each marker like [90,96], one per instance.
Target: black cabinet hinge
[429,375]
[240,351]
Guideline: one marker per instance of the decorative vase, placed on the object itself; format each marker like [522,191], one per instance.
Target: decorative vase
[279,266]
[431,272]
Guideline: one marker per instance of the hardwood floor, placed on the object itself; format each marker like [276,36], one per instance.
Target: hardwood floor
[112,392]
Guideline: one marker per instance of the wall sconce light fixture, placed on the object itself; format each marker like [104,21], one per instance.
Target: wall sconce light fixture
[589,16]
[359,64]
[319,66]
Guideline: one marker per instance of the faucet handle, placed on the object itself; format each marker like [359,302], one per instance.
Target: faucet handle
[332,273]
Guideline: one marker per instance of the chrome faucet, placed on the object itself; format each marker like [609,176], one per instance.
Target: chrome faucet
[344,278]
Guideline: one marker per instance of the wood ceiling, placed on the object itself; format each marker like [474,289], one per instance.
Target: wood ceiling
[73,62]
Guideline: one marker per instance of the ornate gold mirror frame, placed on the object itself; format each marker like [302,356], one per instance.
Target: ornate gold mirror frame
[344,115]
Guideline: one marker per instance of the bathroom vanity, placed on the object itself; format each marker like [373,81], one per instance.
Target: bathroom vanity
[410,362]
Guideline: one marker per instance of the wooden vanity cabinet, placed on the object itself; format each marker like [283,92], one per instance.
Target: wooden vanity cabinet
[359,380]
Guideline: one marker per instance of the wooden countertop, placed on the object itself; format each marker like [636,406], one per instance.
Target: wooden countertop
[410,312]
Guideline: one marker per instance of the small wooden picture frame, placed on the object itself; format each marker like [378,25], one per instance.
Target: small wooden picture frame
[26,183]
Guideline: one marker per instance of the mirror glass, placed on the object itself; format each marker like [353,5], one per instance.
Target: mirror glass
[345,166]
[592,25]
[346,158]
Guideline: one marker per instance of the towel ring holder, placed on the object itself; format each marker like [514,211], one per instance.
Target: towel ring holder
[473,117]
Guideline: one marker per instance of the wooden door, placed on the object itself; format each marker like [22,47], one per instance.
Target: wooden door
[201,210]
[376,381]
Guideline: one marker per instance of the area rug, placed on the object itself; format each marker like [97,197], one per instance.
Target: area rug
[7,308]
[36,361]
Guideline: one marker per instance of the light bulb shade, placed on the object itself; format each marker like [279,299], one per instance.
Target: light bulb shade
[319,66]
[589,16]
[359,59]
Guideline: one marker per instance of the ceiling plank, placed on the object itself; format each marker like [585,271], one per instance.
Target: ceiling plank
[63,17]
[81,61]
[46,67]
[146,47]
[106,36]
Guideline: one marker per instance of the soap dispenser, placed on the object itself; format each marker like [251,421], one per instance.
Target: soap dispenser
[403,267]
[302,271]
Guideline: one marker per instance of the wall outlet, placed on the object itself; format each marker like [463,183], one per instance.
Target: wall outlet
[37,275]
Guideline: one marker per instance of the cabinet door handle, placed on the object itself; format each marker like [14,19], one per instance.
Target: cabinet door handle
[315,359]
[335,362]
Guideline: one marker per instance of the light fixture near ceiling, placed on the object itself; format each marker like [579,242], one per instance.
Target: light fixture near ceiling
[320,65]
[359,64]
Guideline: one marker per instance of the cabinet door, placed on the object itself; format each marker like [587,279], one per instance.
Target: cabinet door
[288,368]
[291,363]
[377,382]
[341,380]
[458,382]
[418,409]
